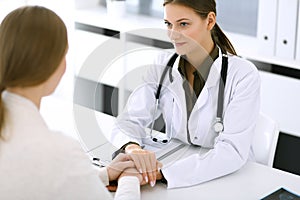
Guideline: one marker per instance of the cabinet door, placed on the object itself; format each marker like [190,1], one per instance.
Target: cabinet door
[250,25]
[286,29]
[266,32]
[234,16]
[298,36]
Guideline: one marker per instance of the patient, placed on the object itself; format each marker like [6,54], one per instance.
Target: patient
[36,163]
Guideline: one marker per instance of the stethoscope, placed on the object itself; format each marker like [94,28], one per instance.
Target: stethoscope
[218,124]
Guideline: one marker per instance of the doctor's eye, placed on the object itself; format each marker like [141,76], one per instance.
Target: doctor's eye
[183,24]
[168,24]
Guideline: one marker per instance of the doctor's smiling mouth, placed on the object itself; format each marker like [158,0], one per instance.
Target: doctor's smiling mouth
[179,44]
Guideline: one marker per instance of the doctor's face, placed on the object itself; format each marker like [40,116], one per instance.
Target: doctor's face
[186,29]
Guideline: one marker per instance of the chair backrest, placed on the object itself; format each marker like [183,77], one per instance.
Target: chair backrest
[265,140]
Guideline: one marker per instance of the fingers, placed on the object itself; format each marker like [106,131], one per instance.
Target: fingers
[118,165]
[158,173]
[127,164]
[158,165]
[152,169]
[146,163]
[140,164]
[112,188]
[137,161]
[133,172]
[122,157]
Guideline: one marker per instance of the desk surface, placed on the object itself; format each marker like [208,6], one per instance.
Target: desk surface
[253,181]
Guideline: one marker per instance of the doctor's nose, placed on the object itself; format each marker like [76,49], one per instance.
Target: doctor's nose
[173,34]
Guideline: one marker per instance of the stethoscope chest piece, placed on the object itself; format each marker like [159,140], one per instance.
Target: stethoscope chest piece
[218,126]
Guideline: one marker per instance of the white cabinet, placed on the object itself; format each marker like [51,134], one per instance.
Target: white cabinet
[112,62]
[262,30]
[266,31]
[298,37]
[286,29]
[251,25]
[236,18]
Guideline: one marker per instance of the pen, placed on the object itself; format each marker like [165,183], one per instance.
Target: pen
[170,152]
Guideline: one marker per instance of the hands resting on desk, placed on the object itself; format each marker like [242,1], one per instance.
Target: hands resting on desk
[135,162]
[145,162]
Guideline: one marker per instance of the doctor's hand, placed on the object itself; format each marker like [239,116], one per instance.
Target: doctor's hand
[145,162]
[118,165]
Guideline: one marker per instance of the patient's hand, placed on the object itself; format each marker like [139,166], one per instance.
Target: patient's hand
[158,175]
[118,165]
[133,172]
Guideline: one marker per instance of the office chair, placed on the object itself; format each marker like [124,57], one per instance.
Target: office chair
[265,140]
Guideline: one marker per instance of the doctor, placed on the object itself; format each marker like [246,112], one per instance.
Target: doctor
[200,106]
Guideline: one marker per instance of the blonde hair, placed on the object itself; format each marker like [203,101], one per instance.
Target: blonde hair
[33,41]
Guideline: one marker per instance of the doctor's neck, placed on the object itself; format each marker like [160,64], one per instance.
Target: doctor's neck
[197,56]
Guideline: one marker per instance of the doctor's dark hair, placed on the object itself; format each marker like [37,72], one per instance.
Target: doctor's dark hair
[33,42]
[203,8]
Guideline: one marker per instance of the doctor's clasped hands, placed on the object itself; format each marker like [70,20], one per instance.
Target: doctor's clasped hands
[145,162]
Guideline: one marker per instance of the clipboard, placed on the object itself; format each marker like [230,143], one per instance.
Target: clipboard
[163,151]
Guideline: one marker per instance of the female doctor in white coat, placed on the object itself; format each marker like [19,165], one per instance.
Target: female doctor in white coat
[189,104]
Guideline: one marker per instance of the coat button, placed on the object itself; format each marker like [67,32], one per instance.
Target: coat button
[196,138]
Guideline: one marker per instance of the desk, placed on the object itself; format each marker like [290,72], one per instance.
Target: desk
[254,181]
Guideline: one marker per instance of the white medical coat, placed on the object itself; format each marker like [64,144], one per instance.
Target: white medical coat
[229,150]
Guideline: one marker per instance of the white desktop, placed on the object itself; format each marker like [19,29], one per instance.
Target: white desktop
[252,182]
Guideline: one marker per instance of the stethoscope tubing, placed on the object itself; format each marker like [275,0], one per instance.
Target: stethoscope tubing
[218,126]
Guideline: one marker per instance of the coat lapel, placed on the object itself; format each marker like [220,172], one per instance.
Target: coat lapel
[212,81]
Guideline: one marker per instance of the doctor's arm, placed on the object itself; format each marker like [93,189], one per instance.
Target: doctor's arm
[129,129]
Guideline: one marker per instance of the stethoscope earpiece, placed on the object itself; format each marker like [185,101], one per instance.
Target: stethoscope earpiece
[165,141]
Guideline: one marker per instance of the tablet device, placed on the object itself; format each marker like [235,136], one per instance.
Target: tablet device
[282,194]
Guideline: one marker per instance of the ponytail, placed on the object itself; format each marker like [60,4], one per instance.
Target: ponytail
[1,112]
[221,40]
